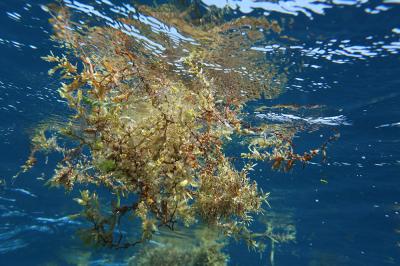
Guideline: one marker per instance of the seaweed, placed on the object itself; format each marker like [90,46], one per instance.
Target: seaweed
[197,246]
[153,136]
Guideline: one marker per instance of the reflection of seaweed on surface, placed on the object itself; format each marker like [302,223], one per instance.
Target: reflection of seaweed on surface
[201,246]
[78,256]
[280,229]
[153,136]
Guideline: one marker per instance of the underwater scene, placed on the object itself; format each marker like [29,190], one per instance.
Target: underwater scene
[200,132]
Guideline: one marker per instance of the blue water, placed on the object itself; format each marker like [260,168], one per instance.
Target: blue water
[345,57]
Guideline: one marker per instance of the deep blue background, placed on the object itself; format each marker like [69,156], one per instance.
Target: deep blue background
[351,220]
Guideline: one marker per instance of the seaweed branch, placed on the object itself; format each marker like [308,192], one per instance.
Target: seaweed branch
[157,136]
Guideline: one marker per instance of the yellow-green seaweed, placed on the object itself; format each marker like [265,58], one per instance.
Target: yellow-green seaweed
[156,135]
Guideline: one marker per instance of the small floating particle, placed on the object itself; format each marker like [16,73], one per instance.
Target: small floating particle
[14,15]
[24,191]
[44,8]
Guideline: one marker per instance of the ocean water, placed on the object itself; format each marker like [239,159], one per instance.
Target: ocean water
[341,55]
